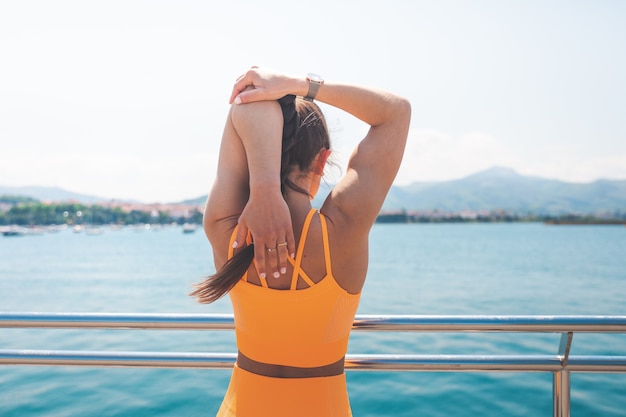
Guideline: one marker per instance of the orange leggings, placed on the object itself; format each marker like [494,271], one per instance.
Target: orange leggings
[252,395]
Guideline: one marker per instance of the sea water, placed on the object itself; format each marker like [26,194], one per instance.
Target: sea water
[431,269]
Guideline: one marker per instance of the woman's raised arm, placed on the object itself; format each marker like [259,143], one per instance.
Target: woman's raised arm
[374,163]
[246,190]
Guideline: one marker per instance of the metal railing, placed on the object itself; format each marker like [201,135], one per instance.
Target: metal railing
[560,364]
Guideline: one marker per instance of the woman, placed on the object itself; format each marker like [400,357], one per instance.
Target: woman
[292,327]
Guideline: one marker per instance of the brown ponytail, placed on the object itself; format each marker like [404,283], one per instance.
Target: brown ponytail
[304,135]
[215,286]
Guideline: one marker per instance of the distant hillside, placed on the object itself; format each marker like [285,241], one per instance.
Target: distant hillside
[503,188]
[53,194]
[493,189]
[195,201]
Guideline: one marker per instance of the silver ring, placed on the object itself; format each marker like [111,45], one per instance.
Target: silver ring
[282,244]
[270,249]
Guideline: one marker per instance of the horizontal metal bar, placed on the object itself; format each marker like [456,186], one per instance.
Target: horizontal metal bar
[414,363]
[117,321]
[454,363]
[117,358]
[558,324]
[593,363]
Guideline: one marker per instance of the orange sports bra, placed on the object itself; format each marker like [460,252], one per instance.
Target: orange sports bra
[308,327]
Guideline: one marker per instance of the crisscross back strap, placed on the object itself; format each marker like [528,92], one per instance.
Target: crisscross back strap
[297,267]
[329,272]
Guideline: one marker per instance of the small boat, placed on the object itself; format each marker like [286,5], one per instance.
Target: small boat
[14,231]
[93,230]
[36,231]
[189,227]
[55,228]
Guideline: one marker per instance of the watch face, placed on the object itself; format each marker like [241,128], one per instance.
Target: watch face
[315,78]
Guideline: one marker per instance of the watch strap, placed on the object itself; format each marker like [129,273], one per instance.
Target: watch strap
[314,86]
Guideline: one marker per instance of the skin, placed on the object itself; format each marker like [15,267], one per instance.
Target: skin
[247,186]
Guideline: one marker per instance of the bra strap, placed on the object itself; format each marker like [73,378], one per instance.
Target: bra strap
[298,264]
[326,245]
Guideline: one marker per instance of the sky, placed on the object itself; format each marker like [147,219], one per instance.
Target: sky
[127,99]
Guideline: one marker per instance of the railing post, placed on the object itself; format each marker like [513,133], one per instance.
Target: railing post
[560,394]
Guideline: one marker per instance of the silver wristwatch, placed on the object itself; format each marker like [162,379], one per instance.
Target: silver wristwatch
[314,81]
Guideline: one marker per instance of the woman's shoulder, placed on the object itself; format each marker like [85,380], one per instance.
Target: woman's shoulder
[350,221]
[348,246]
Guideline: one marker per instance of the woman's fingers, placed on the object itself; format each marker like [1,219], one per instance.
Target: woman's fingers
[284,250]
[271,259]
[258,84]
[259,259]
[276,259]
[245,81]
[240,86]
[240,238]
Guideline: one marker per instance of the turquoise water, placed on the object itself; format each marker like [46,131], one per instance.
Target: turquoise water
[414,269]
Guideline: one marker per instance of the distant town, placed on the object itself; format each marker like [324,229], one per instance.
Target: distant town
[493,216]
[497,194]
[16,211]
[25,212]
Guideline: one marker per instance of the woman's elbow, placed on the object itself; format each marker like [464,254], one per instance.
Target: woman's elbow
[403,109]
[400,118]
[397,112]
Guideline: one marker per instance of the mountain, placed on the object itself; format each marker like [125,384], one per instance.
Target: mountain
[505,189]
[496,188]
[52,194]
[199,201]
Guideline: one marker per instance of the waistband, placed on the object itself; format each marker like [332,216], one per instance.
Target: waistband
[284,371]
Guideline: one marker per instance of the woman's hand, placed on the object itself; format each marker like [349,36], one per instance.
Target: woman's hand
[268,219]
[266,85]
[266,214]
